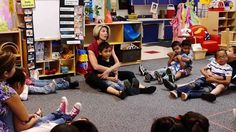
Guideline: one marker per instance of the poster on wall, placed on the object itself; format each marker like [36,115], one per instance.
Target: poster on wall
[29,32]
[72,21]
[27,3]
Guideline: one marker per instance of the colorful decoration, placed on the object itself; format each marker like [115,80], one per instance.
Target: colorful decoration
[82,61]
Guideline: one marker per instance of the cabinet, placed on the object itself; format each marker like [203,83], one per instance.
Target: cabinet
[117,39]
[162,2]
[168,31]
[51,56]
[11,41]
[139,2]
[150,31]
[215,22]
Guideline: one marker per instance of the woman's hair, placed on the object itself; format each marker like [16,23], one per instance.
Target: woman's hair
[18,77]
[7,60]
[84,125]
[167,124]
[64,128]
[97,29]
[195,122]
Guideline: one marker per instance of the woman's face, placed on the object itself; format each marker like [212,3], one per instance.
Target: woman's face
[103,34]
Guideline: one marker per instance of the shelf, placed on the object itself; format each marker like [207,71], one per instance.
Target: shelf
[46,61]
[57,74]
[8,32]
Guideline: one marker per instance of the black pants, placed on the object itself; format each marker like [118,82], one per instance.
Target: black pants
[95,82]
[233,65]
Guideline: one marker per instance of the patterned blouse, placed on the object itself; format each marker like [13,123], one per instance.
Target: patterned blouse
[5,93]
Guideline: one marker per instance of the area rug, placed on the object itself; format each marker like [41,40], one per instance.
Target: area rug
[154,52]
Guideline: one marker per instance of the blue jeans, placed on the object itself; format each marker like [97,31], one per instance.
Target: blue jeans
[196,88]
[41,90]
[62,84]
[119,85]
[55,117]
[40,83]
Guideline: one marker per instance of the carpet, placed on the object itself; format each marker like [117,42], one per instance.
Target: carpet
[152,52]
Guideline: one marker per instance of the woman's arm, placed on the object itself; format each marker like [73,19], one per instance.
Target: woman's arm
[116,66]
[18,108]
[94,62]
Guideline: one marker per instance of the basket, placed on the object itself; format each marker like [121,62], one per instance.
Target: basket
[129,55]
[133,16]
[199,54]
[9,47]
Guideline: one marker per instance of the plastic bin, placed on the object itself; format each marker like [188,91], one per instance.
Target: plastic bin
[129,55]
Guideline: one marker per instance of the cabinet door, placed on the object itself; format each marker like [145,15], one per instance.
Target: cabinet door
[150,32]
[168,33]
[139,2]
[149,2]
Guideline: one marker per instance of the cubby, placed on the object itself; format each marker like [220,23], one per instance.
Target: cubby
[49,58]
[218,21]
[117,39]
[228,38]
[11,41]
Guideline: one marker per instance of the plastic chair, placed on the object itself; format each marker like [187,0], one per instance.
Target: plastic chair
[129,33]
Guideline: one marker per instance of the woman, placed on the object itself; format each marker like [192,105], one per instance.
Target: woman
[101,33]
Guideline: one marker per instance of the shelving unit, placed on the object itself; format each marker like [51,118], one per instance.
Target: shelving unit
[228,38]
[117,39]
[218,21]
[13,37]
[48,61]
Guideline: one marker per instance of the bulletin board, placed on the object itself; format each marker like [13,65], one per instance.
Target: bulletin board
[46,20]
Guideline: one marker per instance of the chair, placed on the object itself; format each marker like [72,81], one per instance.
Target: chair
[199,34]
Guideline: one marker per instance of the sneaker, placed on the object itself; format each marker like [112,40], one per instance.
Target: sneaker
[75,110]
[142,70]
[148,90]
[208,97]
[135,83]
[63,105]
[170,75]
[74,84]
[174,94]
[127,84]
[148,78]
[169,85]
[67,79]
[123,94]
[184,96]
[158,77]
[132,89]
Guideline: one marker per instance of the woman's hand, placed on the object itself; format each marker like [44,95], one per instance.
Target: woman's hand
[105,74]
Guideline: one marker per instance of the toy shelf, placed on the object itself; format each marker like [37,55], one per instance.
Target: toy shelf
[218,21]
[117,39]
[11,41]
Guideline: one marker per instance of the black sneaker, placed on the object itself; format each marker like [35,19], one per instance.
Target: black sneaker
[123,94]
[67,79]
[208,97]
[158,77]
[148,90]
[74,84]
[169,85]
[142,70]
[127,84]
[134,89]
[170,75]
[148,78]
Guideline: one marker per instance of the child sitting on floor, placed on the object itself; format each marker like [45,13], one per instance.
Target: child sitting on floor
[36,86]
[210,84]
[179,64]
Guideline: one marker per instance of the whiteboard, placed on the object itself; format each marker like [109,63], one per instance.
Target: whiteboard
[46,20]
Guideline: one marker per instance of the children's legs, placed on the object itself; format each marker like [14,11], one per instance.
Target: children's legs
[40,83]
[218,89]
[62,84]
[41,90]
[113,91]
[178,75]
[114,85]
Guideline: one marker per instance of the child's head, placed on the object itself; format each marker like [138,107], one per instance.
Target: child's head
[186,46]
[64,128]
[105,50]
[17,81]
[167,124]
[176,47]
[84,125]
[7,65]
[221,57]
[195,122]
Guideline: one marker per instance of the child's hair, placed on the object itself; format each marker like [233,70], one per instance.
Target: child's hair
[64,128]
[195,122]
[216,54]
[97,29]
[7,60]
[186,43]
[103,45]
[18,77]
[84,125]
[167,124]
[175,43]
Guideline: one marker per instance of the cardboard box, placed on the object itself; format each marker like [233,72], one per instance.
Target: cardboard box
[199,54]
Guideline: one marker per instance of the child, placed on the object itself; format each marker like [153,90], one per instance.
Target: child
[209,82]
[17,81]
[10,103]
[81,125]
[105,59]
[179,64]
[36,86]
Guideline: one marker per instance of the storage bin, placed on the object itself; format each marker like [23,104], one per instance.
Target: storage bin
[129,55]
[199,54]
